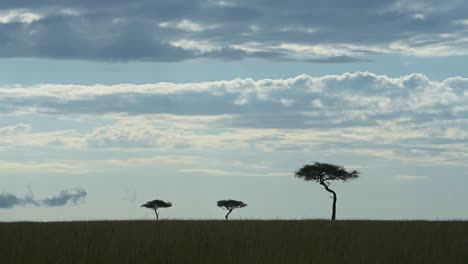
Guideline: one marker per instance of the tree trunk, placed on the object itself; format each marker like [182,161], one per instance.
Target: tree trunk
[227,215]
[334,199]
[157,215]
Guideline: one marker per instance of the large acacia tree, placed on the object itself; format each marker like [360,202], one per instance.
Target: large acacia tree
[155,205]
[230,205]
[324,173]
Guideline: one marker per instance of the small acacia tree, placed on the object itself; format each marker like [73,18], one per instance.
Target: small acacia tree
[230,205]
[324,173]
[155,205]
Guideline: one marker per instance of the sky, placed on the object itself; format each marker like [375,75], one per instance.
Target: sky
[105,105]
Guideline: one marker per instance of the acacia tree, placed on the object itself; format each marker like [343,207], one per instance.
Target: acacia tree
[324,173]
[155,205]
[230,205]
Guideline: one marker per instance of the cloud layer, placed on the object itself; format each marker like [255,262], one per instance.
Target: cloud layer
[410,118]
[302,101]
[316,31]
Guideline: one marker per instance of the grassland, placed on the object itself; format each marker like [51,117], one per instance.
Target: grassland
[191,242]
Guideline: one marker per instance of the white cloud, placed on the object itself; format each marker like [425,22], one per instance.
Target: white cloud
[221,3]
[411,177]
[18,16]
[187,25]
[255,28]
[198,45]
[317,103]
[156,160]
[61,167]
[247,165]
[15,130]
[23,135]
[315,50]
[463,22]
[70,12]
[299,29]
[410,118]
[121,135]
[141,132]
[378,93]
[440,49]
[219,172]
[70,166]
[360,96]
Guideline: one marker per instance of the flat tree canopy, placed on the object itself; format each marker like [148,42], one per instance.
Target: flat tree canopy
[322,172]
[230,205]
[155,204]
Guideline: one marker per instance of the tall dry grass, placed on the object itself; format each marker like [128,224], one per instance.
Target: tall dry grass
[192,242]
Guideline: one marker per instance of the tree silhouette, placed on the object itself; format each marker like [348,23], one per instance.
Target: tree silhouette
[155,205]
[230,205]
[323,173]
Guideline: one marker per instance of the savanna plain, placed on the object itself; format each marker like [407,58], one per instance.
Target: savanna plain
[235,241]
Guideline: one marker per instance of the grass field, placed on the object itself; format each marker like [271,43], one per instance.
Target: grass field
[314,241]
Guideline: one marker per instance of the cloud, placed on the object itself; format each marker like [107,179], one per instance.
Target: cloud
[411,177]
[220,172]
[65,197]
[303,100]
[76,167]
[18,16]
[23,135]
[123,136]
[187,25]
[143,31]
[8,200]
[15,130]
[409,118]
[67,167]
[156,160]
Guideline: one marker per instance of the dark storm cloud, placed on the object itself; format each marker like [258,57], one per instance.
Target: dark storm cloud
[8,200]
[340,31]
